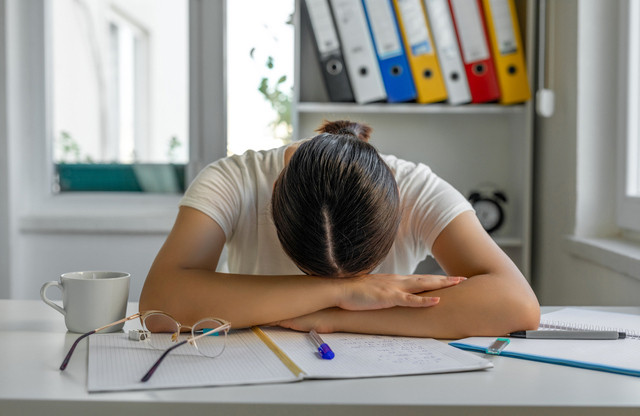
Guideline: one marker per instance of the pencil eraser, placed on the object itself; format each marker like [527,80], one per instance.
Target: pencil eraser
[498,345]
[138,334]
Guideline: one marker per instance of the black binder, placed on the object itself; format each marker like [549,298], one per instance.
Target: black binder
[328,50]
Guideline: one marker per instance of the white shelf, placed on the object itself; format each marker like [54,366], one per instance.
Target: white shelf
[407,108]
[465,144]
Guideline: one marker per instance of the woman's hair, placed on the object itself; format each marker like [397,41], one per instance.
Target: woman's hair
[335,205]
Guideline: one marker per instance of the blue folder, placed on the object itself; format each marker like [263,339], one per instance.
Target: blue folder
[632,370]
[387,42]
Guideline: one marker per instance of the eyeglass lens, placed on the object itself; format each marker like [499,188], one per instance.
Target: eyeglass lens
[165,333]
[211,345]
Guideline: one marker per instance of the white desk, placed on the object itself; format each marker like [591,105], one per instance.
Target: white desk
[33,341]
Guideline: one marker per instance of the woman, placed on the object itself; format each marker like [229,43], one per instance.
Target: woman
[325,234]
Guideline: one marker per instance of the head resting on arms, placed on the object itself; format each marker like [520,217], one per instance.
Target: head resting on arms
[335,204]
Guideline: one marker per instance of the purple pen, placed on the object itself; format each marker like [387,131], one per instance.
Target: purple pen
[323,349]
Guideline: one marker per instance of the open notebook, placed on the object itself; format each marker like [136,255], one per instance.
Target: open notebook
[616,356]
[269,355]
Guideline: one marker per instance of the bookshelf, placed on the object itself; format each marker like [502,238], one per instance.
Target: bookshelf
[472,146]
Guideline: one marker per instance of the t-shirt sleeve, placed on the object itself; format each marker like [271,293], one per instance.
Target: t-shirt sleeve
[430,203]
[217,192]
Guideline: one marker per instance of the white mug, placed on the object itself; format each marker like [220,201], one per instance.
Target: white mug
[91,299]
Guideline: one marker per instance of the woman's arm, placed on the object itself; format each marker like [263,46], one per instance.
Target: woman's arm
[183,282]
[495,300]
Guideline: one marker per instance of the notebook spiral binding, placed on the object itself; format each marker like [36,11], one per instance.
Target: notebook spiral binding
[558,325]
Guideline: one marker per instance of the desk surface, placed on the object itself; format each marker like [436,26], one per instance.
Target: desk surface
[34,340]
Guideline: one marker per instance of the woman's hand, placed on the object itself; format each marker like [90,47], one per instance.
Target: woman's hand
[322,321]
[381,291]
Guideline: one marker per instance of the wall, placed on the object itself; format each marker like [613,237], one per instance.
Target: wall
[5,212]
[45,256]
[575,161]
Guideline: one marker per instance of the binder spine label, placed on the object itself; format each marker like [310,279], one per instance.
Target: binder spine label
[322,22]
[472,38]
[442,27]
[415,26]
[353,27]
[385,34]
[504,27]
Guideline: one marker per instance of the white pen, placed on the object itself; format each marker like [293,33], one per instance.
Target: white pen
[558,334]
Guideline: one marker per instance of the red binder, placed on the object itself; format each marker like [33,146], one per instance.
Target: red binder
[471,30]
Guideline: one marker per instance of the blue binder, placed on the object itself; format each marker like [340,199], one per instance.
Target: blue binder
[387,42]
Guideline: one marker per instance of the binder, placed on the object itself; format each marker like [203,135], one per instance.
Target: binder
[394,67]
[420,51]
[328,50]
[444,37]
[357,49]
[508,52]
[468,19]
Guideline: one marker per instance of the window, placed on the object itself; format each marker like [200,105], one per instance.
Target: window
[629,140]
[119,76]
[127,109]
[259,74]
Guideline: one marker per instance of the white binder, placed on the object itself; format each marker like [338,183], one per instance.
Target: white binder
[444,36]
[357,49]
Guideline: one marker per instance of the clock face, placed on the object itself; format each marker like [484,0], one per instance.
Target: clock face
[489,214]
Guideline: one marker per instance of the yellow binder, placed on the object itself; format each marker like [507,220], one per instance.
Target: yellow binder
[508,52]
[421,53]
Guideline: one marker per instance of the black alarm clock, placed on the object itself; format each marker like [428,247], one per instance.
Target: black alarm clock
[489,208]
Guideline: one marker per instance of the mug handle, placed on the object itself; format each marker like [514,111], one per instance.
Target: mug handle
[48,301]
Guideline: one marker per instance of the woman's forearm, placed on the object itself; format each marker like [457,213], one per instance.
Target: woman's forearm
[243,300]
[481,306]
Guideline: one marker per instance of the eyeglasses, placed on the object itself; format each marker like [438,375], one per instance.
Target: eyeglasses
[164,332]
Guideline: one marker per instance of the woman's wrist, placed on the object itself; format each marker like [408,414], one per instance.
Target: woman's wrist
[328,320]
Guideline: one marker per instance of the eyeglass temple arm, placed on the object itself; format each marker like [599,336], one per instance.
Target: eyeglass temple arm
[67,358]
[221,328]
[155,366]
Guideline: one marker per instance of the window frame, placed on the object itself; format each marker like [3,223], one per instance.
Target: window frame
[41,210]
[628,207]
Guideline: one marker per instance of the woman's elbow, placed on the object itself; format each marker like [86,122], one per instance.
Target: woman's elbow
[526,313]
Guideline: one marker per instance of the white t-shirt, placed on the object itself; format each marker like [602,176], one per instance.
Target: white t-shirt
[236,193]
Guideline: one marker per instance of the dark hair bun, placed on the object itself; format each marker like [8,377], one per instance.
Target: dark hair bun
[347,128]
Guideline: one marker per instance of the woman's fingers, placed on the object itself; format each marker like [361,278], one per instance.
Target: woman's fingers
[426,282]
[387,290]
[415,301]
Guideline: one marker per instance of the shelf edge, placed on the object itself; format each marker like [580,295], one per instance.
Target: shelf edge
[407,108]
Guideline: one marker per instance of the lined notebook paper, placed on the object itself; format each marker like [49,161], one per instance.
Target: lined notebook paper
[117,363]
[616,356]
